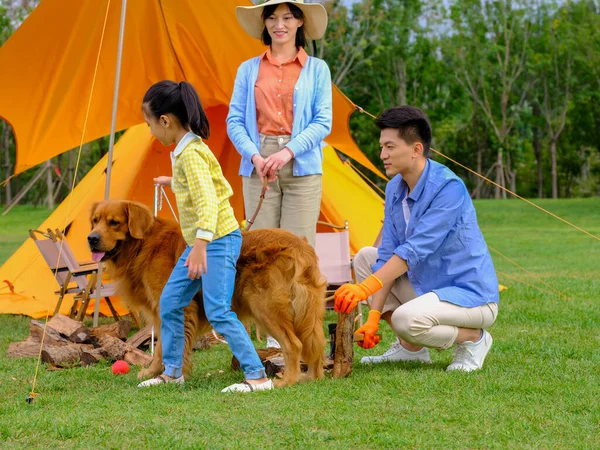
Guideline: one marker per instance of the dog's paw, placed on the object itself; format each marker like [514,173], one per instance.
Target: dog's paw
[283,382]
[148,373]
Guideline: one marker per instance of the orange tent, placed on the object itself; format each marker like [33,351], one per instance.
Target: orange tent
[48,69]
[47,75]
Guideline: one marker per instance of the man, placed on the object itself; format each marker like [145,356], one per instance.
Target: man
[432,279]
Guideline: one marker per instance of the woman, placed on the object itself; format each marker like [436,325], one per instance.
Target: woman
[279,114]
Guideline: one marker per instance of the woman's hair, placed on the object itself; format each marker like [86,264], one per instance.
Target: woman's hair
[181,100]
[296,12]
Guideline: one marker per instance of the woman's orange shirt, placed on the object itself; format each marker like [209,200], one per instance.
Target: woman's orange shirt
[274,92]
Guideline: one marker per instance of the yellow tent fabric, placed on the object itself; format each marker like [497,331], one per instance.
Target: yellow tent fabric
[138,157]
[48,67]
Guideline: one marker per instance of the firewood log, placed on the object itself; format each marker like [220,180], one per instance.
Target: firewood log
[137,357]
[51,338]
[344,346]
[24,349]
[92,356]
[114,348]
[140,338]
[71,329]
[66,353]
[119,330]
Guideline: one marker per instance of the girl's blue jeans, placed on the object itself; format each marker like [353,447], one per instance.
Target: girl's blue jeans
[217,289]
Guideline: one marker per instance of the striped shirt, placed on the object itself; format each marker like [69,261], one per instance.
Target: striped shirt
[201,191]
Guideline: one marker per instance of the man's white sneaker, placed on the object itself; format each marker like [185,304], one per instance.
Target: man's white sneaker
[244,387]
[161,379]
[398,353]
[272,342]
[469,356]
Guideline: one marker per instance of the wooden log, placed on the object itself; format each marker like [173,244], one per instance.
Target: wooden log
[92,356]
[114,348]
[66,353]
[119,330]
[344,345]
[71,329]
[117,349]
[51,338]
[140,338]
[137,357]
[24,349]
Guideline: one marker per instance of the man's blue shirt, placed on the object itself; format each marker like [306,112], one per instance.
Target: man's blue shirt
[442,245]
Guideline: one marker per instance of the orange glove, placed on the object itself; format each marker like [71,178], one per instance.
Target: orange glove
[369,329]
[348,295]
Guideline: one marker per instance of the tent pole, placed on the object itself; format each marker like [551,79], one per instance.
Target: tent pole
[111,144]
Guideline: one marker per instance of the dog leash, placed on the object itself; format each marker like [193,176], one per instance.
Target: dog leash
[263,192]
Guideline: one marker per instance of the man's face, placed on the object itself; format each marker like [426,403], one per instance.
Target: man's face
[396,154]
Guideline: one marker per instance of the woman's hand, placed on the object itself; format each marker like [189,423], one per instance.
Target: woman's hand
[259,163]
[275,162]
[196,260]
[163,180]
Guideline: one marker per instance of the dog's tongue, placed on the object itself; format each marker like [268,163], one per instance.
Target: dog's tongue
[97,256]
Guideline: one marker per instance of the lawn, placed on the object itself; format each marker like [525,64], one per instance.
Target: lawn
[538,389]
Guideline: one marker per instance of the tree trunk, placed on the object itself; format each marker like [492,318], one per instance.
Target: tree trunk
[511,175]
[102,147]
[537,149]
[479,154]
[554,173]
[70,170]
[401,74]
[499,175]
[49,184]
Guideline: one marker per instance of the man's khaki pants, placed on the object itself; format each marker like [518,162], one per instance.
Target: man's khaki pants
[424,320]
[291,203]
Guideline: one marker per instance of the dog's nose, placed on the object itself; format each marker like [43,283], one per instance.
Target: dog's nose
[93,239]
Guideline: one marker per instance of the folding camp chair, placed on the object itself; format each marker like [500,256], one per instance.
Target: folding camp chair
[87,286]
[333,251]
[72,277]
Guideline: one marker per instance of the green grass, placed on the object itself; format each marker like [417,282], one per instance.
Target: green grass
[538,389]
[14,227]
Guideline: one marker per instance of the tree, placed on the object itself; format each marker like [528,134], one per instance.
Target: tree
[489,52]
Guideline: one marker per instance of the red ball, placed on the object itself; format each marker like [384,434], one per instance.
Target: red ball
[120,367]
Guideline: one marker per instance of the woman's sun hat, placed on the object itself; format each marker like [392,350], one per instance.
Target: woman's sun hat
[315,18]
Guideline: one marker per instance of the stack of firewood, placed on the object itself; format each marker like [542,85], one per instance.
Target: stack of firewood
[67,341]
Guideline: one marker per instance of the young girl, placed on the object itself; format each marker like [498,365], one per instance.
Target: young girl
[175,116]
[279,114]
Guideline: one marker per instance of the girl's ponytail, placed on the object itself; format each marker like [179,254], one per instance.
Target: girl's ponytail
[181,100]
[196,117]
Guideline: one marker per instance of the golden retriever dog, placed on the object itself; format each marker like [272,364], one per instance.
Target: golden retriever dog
[278,284]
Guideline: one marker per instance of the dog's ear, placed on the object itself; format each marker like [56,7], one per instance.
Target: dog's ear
[139,219]
[92,211]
